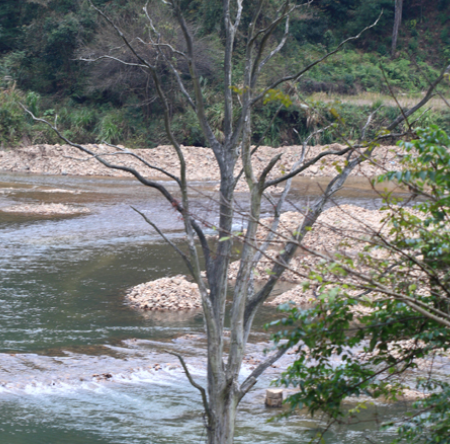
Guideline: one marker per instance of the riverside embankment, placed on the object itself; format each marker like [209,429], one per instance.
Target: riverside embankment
[200,162]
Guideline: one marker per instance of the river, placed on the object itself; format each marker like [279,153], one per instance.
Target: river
[76,364]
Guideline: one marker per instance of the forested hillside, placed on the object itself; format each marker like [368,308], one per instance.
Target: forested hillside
[41,42]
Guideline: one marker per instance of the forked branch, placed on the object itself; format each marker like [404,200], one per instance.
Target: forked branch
[297,75]
[194,384]
[255,374]
[183,256]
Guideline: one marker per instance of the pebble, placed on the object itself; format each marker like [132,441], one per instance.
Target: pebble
[329,234]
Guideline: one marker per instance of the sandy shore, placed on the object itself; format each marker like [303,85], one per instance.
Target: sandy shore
[201,164]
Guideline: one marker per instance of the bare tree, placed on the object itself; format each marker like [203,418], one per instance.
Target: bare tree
[397,22]
[123,79]
[224,392]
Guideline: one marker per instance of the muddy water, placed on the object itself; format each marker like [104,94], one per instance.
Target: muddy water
[76,365]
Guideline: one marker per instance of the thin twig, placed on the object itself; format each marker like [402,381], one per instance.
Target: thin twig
[252,378]
[183,256]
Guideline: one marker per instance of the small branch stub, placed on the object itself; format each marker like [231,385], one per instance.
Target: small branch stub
[274,398]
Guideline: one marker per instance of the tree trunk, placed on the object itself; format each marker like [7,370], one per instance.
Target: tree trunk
[397,22]
[224,408]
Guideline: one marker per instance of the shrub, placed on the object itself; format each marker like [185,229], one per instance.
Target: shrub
[12,118]
[111,127]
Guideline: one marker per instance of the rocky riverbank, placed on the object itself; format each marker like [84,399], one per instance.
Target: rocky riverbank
[336,228]
[339,227]
[201,164]
[46,209]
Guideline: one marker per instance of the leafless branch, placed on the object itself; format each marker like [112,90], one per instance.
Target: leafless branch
[130,170]
[194,384]
[368,122]
[291,246]
[405,117]
[183,256]
[141,159]
[280,46]
[254,375]
[112,58]
[257,146]
[429,81]
[307,165]
[297,75]
[267,33]
[237,20]
[199,100]
[172,67]
[174,202]
[268,169]
[277,214]
[122,36]
[420,104]
[86,159]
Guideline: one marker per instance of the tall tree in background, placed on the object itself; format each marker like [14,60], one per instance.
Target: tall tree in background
[397,22]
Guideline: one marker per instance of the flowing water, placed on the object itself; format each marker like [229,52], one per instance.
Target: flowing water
[76,364]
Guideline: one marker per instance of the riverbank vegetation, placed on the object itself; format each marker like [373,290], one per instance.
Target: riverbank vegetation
[42,42]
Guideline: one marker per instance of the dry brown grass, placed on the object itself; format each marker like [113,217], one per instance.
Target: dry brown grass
[369,98]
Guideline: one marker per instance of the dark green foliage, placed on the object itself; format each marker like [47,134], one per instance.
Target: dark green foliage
[15,15]
[340,9]
[50,43]
[211,12]
[348,17]
[432,423]
[443,5]
[312,29]
[366,13]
